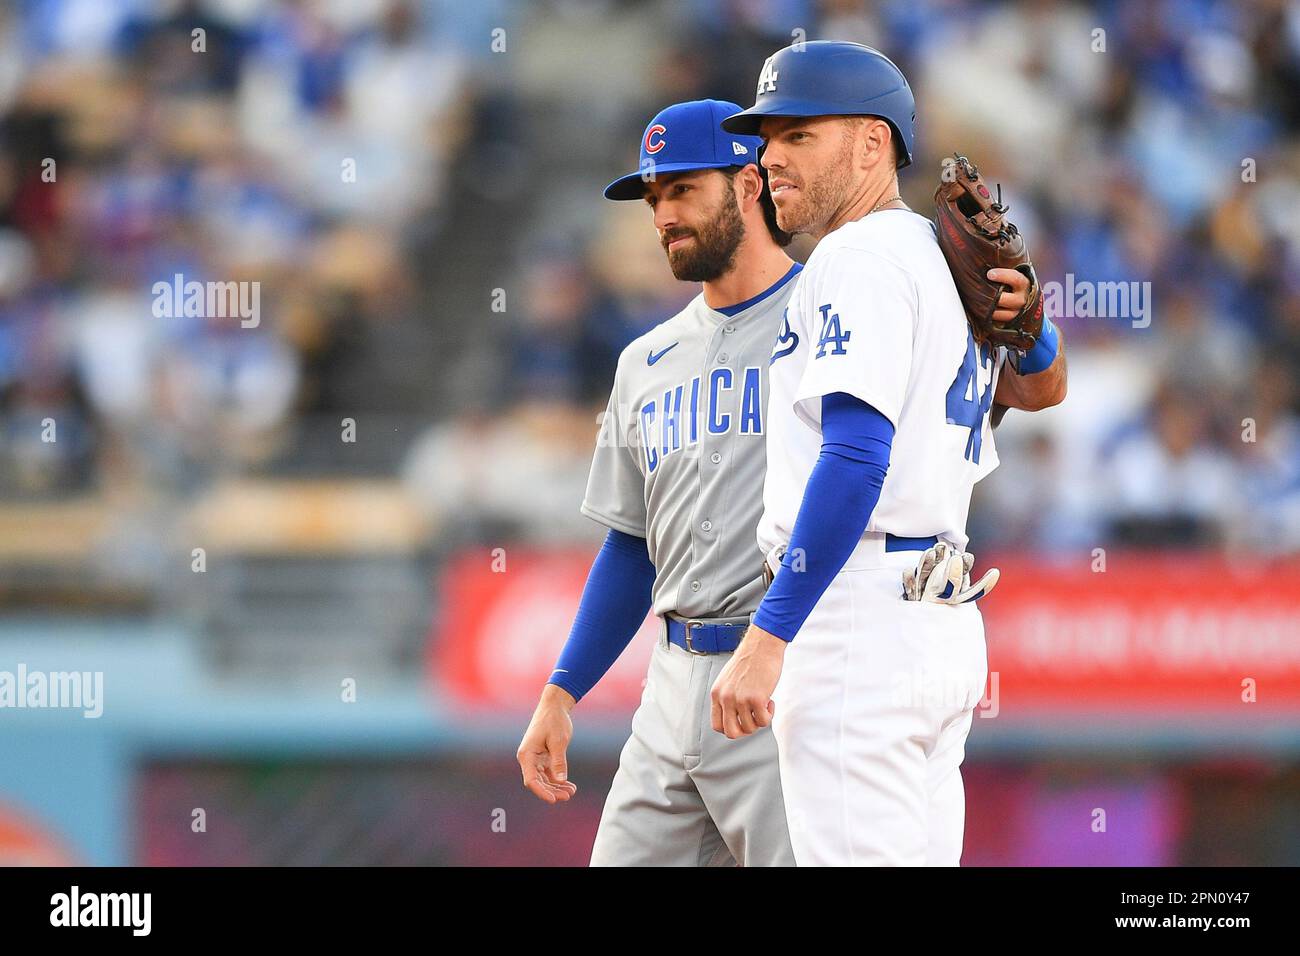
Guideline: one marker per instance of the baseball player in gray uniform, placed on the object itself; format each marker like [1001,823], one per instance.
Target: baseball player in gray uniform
[676,478]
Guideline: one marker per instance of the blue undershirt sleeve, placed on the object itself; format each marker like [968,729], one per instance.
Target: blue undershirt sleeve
[614,602]
[841,494]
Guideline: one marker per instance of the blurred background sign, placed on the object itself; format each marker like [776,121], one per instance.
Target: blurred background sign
[1155,633]
[500,627]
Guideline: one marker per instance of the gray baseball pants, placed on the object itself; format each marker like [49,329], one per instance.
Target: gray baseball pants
[685,795]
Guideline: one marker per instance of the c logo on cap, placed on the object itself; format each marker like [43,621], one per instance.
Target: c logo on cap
[657,130]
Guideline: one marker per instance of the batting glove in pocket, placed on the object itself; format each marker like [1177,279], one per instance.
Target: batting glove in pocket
[942,576]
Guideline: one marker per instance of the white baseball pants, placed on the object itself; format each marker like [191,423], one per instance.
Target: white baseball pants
[873,707]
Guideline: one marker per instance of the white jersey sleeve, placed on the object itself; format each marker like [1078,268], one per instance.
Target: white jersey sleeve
[862,312]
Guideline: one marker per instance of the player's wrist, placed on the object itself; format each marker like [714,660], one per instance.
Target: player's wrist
[1044,352]
[766,629]
[553,695]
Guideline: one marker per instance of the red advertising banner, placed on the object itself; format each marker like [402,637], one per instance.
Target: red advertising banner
[1160,634]
[502,622]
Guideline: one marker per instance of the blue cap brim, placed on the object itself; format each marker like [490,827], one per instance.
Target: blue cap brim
[746,123]
[632,186]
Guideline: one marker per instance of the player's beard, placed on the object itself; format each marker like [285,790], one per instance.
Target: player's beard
[819,199]
[713,254]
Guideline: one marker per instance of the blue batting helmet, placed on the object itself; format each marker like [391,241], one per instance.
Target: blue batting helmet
[832,78]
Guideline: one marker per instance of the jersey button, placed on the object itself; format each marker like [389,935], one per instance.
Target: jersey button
[715,458]
[695,585]
[706,525]
[723,357]
[729,329]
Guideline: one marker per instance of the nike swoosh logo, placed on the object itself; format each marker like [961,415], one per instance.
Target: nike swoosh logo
[656,356]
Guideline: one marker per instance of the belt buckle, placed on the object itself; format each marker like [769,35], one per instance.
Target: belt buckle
[690,648]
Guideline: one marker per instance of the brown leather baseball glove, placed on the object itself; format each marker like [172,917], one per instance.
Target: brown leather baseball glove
[976,236]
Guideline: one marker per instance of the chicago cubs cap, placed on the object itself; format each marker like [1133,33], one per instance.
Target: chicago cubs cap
[832,78]
[683,137]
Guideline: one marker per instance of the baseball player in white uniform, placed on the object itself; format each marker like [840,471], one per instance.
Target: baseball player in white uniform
[877,430]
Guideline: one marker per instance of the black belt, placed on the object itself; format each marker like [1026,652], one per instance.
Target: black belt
[705,637]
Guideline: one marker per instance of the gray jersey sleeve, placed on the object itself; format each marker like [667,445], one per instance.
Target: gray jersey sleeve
[616,486]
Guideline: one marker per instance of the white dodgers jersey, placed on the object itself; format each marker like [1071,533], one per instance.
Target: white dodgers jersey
[875,314]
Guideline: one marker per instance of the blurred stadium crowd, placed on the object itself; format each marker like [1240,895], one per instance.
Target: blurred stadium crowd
[468,287]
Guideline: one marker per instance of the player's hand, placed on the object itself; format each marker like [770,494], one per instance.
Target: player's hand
[742,694]
[543,751]
[1012,301]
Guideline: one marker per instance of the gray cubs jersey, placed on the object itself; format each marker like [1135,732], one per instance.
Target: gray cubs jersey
[681,456]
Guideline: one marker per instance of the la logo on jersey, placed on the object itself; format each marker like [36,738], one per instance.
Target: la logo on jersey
[767,79]
[831,334]
[663,430]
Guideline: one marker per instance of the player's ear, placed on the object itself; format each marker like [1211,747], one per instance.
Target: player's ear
[878,141]
[749,186]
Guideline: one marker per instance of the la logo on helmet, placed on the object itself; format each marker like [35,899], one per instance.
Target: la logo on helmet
[767,79]
[657,130]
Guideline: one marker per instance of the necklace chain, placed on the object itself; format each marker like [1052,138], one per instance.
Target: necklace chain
[885,202]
